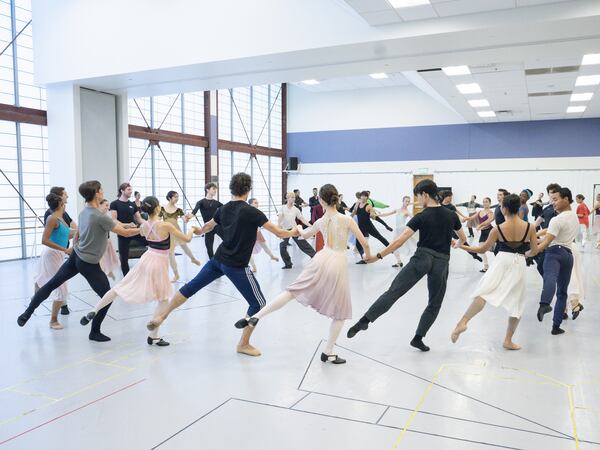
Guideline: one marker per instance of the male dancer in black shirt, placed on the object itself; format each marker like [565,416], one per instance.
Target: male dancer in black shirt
[125,211]
[446,199]
[435,225]
[208,207]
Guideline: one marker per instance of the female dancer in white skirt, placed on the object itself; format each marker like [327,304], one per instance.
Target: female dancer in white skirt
[504,283]
[323,284]
[171,213]
[149,279]
[110,260]
[403,215]
[55,240]
[261,242]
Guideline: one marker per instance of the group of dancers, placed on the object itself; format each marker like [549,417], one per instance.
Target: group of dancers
[323,284]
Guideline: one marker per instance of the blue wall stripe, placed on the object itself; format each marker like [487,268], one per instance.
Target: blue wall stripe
[535,139]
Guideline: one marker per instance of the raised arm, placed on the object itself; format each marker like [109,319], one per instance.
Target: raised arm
[385,214]
[177,234]
[280,232]
[394,245]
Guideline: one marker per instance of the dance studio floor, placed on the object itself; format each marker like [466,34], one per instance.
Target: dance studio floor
[60,391]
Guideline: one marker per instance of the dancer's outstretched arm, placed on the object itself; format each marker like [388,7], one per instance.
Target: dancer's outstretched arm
[120,229]
[390,213]
[486,246]
[395,245]
[280,232]
[172,229]
[361,238]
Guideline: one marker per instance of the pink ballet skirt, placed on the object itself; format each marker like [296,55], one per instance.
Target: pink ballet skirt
[259,240]
[110,260]
[323,284]
[149,279]
[50,261]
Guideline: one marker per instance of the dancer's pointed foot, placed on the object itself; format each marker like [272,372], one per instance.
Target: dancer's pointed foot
[460,328]
[248,349]
[243,323]
[155,323]
[87,318]
[23,318]
[196,261]
[542,310]
[417,342]
[361,325]
[510,345]
[56,325]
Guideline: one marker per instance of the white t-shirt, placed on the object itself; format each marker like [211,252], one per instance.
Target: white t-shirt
[289,216]
[564,227]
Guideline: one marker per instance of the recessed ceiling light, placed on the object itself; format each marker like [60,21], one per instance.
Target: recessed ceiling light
[479,103]
[310,82]
[378,76]
[592,58]
[583,97]
[469,88]
[575,109]
[587,80]
[452,71]
[408,3]
[486,114]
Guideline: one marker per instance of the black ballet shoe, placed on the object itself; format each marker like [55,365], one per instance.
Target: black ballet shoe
[557,330]
[98,337]
[87,318]
[483,270]
[362,324]
[287,266]
[362,261]
[160,342]
[417,342]
[243,323]
[64,310]
[577,310]
[397,265]
[23,318]
[333,359]
[542,310]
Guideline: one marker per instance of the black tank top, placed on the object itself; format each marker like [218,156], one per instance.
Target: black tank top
[520,247]
[364,218]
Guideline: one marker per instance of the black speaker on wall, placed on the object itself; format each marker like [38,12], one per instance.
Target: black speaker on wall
[292,163]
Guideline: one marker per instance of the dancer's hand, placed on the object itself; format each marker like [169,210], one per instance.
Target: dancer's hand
[197,230]
[371,259]
[68,251]
[295,232]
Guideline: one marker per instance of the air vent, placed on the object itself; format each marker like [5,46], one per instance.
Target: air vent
[506,112]
[547,70]
[547,94]
[429,70]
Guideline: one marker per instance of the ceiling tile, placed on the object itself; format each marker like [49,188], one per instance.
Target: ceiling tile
[521,3]
[362,6]
[382,17]
[417,12]
[458,7]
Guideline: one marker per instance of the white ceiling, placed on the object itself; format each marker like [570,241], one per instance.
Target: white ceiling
[381,12]
[355,82]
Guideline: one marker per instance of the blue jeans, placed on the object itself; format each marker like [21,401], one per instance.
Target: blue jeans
[241,277]
[558,265]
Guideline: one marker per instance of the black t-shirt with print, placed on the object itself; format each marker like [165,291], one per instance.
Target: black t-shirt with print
[435,226]
[239,222]
[125,210]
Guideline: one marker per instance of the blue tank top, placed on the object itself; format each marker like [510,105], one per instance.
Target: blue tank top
[60,235]
[525,213]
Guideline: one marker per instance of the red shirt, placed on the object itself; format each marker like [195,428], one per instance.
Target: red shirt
[583,214]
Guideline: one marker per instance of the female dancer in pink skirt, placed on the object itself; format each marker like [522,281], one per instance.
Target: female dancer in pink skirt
[261,242]
[55,240]
[149,278]
[110,260]
[323,284]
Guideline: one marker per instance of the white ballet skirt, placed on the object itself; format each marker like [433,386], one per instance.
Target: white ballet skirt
[50,261]
[323,284]
[504,283]
[109,260]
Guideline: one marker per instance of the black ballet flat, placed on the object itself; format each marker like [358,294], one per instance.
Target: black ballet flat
[243,323]
[483,270]
[577,310]
[397,265]
[87,318]
[362,261]
[333,359]
[160,342]
[23,318]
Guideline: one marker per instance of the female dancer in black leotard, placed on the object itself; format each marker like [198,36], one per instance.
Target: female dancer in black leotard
[362,210]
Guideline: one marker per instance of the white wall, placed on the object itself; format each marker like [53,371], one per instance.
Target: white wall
[365,108]
[389,181]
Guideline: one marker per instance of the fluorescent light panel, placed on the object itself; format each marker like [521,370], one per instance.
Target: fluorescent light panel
[378,76]
[480,103]
[452,71]
[486,114]
[408,3]
[575,109]
[469,88]
[587,80]
[592,58]
[310,82]
[582,97]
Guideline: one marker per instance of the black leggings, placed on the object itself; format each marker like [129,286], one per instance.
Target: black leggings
[72,266]
[124,243]
[209,240]
[370,230]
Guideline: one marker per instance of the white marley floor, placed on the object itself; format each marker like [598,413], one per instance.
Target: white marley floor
[60,391]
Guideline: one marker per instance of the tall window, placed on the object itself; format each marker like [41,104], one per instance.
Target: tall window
[168,166]
[23,145]
[252,116]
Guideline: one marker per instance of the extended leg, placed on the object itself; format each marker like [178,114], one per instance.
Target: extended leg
[513,322]
[305,247]
[474,308]
[334,331]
